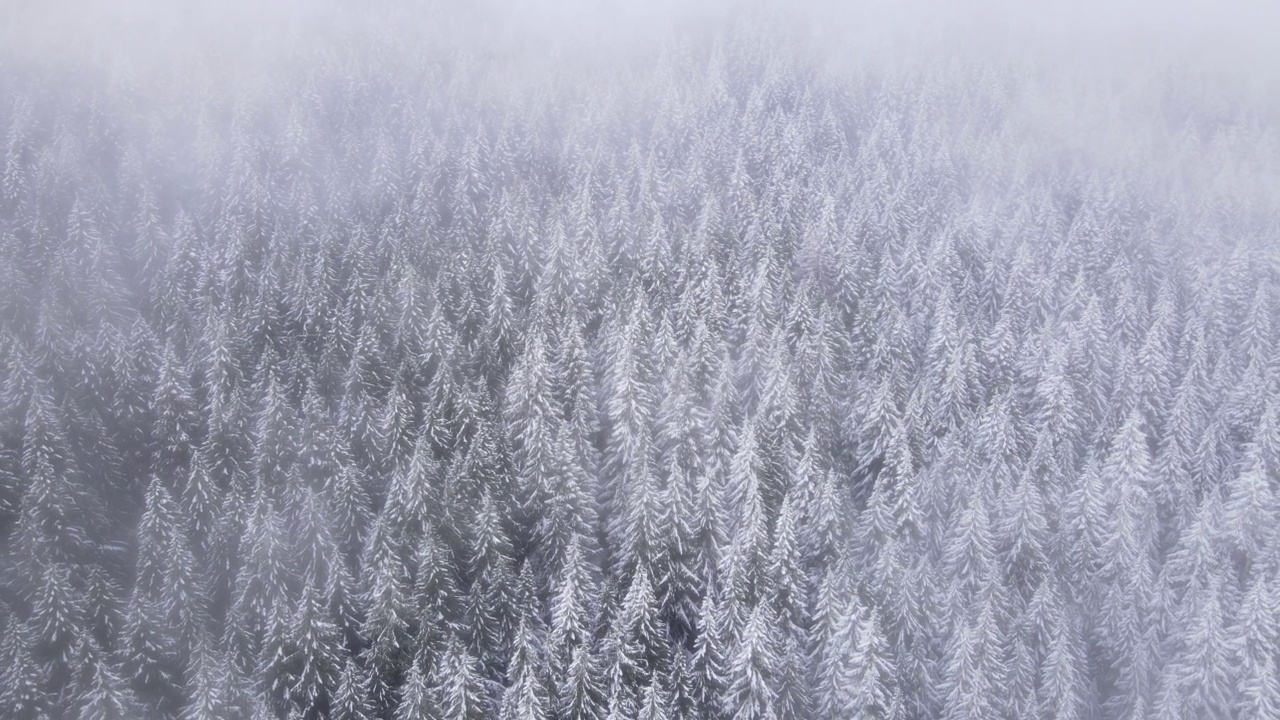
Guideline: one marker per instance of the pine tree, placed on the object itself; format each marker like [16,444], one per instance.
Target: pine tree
[712,656]
[787,583]
[105,695]
[200,501]
[794,699]
[436,596]
[975,664]
[22,691]
[462,688]
[490,608]
[1129,548]
[261,593]
[314,661]
[57,513]
[1254,639]
[211,693]
[532,421]
[351,696]
[752,692]
[582,696]
[176,416]
[526,696]
[573,608]
[387,612]
[654,706]
[637,637]
[1064,674]
[415,701]
[1198,679]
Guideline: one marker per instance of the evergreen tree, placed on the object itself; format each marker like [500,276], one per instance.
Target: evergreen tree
[351,696]
[23,689]
[415,701]
[526,696]
[211,692]
[462,688]
[314,661]
[753,689]
[582,696]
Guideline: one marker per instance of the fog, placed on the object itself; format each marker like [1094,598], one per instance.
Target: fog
[573,360]
[1234,36]
[1110,67]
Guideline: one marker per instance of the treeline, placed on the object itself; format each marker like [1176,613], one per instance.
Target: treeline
[722,387]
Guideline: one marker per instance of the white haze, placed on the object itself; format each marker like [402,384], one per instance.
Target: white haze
[1111,64]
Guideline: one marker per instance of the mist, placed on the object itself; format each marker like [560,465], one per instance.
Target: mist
[670,360]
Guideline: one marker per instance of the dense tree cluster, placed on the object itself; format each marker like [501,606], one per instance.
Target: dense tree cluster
[724,386]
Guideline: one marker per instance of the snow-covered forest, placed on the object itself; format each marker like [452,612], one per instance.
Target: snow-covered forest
[421,378]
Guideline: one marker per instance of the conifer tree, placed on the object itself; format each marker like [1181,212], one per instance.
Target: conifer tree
[23,689]
[105,695]
[415,700]
[462,688]
[526,696]
[753,689]
[351,697]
